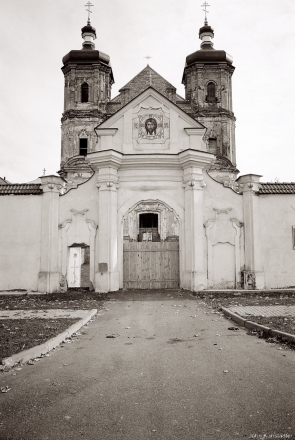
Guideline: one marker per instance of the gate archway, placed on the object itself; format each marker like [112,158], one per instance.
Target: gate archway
[150,246]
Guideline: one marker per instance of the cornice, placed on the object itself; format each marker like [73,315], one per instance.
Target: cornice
[105,131]
[73,113]
[118,160]
[195,158]
[105,158]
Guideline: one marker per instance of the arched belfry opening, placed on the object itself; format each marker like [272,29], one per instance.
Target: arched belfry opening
[211,92]
[84,92]
[151,246]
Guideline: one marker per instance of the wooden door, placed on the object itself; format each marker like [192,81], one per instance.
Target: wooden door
[151,265]
[74,267]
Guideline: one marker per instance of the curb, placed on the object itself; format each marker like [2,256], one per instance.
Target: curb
[35,352]
[21,293]
[241,291]
[254,326]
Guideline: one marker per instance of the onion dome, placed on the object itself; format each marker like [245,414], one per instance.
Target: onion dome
[207,53]
[89,34]
[87,54]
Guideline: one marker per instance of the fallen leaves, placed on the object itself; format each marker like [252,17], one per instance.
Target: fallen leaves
[5,389]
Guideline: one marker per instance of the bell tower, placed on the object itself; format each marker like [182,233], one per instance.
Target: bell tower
[88,80]
[208,92]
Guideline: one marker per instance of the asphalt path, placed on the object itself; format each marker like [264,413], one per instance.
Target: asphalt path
[154,366]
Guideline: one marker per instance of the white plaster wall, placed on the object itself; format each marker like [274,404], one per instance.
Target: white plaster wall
[85,196]
[218,198]
[20,238]
[277,219]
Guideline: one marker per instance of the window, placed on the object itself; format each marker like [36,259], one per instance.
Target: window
[148,227]
[83,147]
[213,145]
[211,97]
[148,220]
[84,92]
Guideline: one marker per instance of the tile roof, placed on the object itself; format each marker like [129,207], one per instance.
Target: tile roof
[277,188]
[21,189]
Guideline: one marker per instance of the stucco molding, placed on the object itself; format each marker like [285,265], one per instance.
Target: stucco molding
[237,222]
[79,229]
[79,212]
[211,226]
[222,211]
[164,211]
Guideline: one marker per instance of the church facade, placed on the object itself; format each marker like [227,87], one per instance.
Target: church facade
[147,195]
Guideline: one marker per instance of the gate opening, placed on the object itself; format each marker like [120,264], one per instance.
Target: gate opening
[78,275]
[150,247]
[148,227]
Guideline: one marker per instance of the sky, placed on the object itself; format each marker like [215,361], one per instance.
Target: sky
[258,34]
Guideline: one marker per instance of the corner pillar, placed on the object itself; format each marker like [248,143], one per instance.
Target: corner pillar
[193,163]
[48,277]
[106,277]
[254,272]
[195,275]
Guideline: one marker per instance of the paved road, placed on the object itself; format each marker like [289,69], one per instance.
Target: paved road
[154,368]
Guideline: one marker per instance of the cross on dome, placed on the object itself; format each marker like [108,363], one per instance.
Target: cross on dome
[205,4]
[88,5]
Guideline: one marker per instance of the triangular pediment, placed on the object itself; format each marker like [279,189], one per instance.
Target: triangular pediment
[151,123]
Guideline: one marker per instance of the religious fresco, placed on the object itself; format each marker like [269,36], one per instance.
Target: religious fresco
[151,126]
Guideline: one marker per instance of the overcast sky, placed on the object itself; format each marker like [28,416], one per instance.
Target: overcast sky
[35,35]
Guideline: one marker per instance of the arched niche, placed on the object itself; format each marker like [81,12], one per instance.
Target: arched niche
[224,246]
[79,231]
[168,220]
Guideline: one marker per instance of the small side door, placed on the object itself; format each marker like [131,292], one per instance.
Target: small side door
[74,267]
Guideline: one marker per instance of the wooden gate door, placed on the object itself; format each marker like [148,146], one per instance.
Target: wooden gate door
[151,265]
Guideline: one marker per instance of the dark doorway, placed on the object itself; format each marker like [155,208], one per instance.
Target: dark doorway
[148,220]
[148,227]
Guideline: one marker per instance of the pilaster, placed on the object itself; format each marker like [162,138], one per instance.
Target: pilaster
[249,185]
[106,268]
[48,279]
[193,163]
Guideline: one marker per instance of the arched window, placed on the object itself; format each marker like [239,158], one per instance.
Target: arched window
[84,92]
[211,96]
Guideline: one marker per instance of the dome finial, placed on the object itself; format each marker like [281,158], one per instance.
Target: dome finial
[88,31]
[205,4]
[88,5]
[206,33]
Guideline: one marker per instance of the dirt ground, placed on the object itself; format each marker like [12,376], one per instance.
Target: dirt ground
[17,335]
[21,334]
